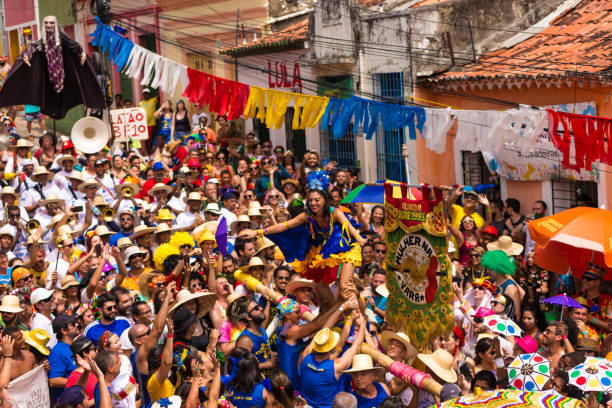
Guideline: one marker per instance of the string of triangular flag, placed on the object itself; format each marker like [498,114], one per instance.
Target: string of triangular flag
[587,138]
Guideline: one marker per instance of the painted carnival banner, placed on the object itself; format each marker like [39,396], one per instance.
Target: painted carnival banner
[418,267]
[31,390]
[543,162]
[130,123]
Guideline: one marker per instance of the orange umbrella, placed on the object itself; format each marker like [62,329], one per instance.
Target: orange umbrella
[572,239]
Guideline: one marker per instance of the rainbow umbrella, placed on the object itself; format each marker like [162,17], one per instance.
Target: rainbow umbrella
[374,193]
[512,399]
[529,372]
[595,374]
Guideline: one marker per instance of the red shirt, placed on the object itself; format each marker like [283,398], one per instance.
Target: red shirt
[90,387]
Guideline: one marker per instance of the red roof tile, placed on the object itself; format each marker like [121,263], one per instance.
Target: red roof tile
[292,34]
[577,43]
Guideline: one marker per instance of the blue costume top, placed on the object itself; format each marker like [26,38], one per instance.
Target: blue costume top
[261,345]
[310,249]
[165,127]
[288,356]
[363,402]
[318,384]
[251,399]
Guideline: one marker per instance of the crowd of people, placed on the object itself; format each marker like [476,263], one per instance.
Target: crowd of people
[117,273]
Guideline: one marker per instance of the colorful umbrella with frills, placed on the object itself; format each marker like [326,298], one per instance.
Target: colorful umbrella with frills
[374,193]
[503,325]
[529,372]
[595,374]
[511,399]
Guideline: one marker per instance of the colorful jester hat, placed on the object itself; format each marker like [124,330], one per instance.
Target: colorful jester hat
[317,180]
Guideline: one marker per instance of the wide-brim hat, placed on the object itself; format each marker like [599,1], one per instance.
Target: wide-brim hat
[22,143]
[68,281]
[206,301]
[10,304]
[206,235]
[183,318]
[363,362]
[102,231]
[141,230]
[193,196]
[75,175]
[212,208]
[161,228]
[65,157]
[124,242]
[89,183]
[99,200]
[387,336]
[8,190]
[504,243]
[254,212]
[290,181]
[160,187]
[131,251]
[51,199]
[441,363]
[588,344]
[255,204]
[37,338]
[254,262]
[264,243]
[241,219]
[299,283]
[325,340]
[121,187]
[40,171]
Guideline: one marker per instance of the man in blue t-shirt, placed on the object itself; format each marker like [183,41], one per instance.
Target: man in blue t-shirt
[108,320]
[61,363]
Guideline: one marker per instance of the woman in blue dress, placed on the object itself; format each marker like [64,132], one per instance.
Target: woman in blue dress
[319,241]
[165,117]
[246,389]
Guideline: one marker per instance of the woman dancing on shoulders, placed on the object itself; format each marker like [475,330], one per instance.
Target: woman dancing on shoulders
[320,240]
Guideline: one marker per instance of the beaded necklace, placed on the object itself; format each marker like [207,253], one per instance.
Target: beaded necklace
[331,226]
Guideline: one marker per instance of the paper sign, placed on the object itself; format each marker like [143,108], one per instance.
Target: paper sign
[130,123]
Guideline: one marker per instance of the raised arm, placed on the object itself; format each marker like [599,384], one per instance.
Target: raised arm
[7,360]
[275,229]
[300,331]
[95,278]
[166,359]
[339,215]
[344,362]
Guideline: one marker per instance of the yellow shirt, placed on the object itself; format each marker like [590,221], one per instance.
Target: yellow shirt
[157,390]
[149,106]
[457,213]
[39,277]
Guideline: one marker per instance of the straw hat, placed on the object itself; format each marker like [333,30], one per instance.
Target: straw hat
[254,212]
[254,262]
[119,188]
[124,242]
[51,199]
[8,190]
[193,196]
[325,340]
[37,338]
[241,218]
[160,187]
[299,283]
[588,344]
[99,201]
[40,171]
[363,362]
[141,230]
[23,143]
[441,363]
[263,243]
[10,304]
[290,181]
[504,243]
[161,228]
[75,175]
[68,281]
[206,301]
[212,208]
[102,230]
[403,338]
[255,204]
[89,183]
[67,157]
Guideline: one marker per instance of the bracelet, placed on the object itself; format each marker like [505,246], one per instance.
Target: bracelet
[584,333]
[489,210]
[594,320]
[285,224]
[170,336]
[265,232]
[341,309]
[7,356]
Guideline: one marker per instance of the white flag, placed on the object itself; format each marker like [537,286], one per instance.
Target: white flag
[31,390]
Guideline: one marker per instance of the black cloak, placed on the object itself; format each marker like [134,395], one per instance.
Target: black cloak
[31,85]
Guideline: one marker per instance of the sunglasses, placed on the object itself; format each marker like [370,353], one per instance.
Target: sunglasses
[274,196]
[254,309]
[278,151]
[26,278]
[381,251]
[109,308]
[249,196]
[478,320]
[144,334]
[254,168]
[474,255]
[478,288]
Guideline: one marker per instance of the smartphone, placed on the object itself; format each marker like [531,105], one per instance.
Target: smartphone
[77,209]
[98,250]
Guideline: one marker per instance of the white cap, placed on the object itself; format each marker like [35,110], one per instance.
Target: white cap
[40,294]
[28,162]
[213,181]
